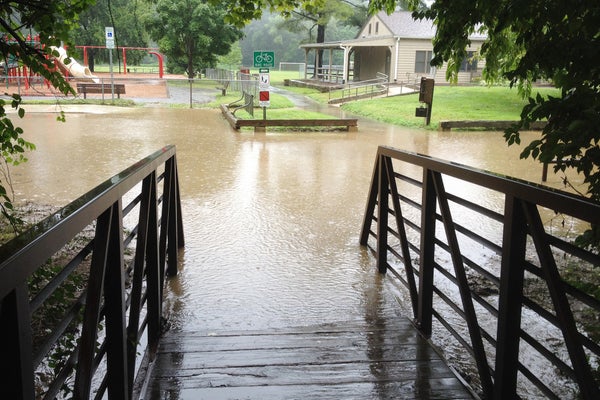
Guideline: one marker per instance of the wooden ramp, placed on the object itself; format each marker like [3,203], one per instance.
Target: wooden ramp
[352,360]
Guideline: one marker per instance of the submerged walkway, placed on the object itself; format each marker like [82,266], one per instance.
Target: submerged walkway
[382,359]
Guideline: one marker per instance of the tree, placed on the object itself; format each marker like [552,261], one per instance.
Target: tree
[125,16]
[52,20]
[320,15]
[233,58]
[191,33]
[267,34]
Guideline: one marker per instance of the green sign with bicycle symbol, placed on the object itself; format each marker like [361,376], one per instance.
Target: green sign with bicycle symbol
[264,59]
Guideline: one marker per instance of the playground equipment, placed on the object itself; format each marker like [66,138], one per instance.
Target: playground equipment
[12,72]
[151,50]
[69,66]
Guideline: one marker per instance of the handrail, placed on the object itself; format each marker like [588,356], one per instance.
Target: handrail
[367,87]
[482,267]
[88,335]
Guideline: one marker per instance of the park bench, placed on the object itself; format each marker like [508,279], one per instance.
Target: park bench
[103,88]
[223,85]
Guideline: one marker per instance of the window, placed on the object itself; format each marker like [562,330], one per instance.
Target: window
[469,63]
[369,29]
[376,27]
[422,61]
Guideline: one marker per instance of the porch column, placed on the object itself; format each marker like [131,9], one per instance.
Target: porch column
[330,64]
[305,61]
[346,64]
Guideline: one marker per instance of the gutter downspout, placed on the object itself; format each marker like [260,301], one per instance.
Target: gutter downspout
[397,59]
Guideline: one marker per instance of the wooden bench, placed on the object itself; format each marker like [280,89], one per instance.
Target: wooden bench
[103,88]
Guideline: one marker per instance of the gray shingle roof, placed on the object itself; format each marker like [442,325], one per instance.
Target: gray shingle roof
[402,24]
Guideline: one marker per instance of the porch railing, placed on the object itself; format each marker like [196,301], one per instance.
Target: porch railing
[81,291]
[489,265]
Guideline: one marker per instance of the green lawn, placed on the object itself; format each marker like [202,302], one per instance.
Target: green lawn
[449,103]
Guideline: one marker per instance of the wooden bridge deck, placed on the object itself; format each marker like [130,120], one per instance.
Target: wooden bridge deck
[352,360]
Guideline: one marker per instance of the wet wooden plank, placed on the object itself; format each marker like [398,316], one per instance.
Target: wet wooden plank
[351,360]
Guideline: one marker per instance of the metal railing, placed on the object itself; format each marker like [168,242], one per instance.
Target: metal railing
[81,291]
[361,89]
[493,275]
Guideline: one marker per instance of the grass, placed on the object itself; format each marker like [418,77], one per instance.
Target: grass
[449,103]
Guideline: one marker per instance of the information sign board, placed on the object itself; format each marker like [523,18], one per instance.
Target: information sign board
[263,98]
[264,59]
[110,37]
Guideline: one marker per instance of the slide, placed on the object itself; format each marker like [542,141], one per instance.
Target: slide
[73,68]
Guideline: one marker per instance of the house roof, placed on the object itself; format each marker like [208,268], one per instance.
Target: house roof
[402,24]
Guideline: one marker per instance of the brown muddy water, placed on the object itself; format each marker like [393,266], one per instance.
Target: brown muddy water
[272,220]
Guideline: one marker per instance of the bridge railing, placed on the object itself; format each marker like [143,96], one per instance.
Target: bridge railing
[81,291]
[490,266]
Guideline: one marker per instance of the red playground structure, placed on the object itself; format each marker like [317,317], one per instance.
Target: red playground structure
[14,72]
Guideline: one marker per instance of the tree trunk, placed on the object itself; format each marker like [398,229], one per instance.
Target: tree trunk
[190,66]
[91,62]
[319,55]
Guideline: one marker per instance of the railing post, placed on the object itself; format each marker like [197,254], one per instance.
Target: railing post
[146,254]
[510,300]
[171,231]
[87,345]
[106,277]
[405,250]
[16,371]
[114,305]
[153,274]
[427,246]
[462,282]
[371,202]
[382,216]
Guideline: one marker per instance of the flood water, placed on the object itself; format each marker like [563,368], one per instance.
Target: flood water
[272,220]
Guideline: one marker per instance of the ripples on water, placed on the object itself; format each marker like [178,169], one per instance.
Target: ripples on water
[271,220]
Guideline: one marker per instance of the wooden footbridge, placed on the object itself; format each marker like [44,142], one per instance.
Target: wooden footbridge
[90,323]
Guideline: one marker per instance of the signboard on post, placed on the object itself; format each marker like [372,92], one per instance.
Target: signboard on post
[264,59]
[264,81]
[110,44]
[110,37]
[263,98]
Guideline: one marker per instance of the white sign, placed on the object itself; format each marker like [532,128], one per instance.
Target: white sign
[110,37]
[264,81]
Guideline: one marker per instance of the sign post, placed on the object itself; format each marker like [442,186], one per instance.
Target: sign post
[110,45]
[425,96]
[264,60]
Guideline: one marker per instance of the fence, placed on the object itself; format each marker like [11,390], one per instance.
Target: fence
[236,81]
[494,275]
[81,291]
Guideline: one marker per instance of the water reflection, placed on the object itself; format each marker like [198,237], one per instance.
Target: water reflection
[272,220]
